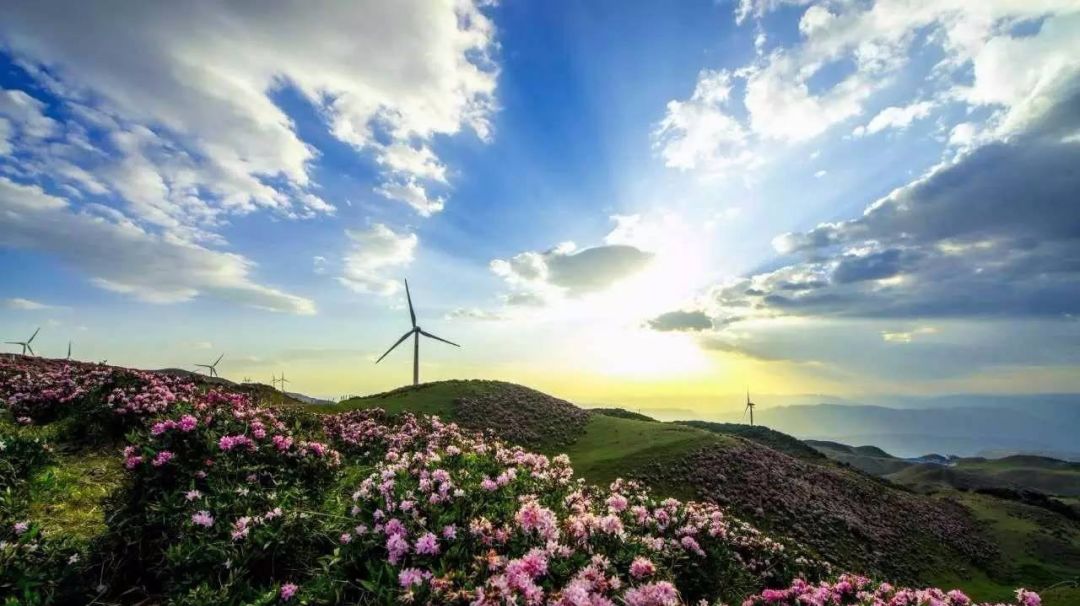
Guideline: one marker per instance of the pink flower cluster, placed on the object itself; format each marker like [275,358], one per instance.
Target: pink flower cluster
[527,518]
[854,590]
[36,388]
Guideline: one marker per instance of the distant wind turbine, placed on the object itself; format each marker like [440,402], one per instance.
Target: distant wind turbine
[26,344]
[69,350]
[283,381]
[749,406]
[415,332]
[212,368]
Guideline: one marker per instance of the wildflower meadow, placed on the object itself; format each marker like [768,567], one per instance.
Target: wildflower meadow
[223,501]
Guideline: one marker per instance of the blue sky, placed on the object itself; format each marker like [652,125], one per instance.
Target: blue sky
[613,201]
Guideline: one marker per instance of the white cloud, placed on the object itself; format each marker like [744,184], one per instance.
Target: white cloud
[25,304]
[566,270]
[188,95]
[27,114]
[414,194]
[700,133]
[848,52]
[907,336]
[474,313]
[895,117]
[374,253]
[122,257]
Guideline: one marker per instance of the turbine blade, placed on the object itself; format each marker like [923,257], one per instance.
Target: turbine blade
[218,359]
[28,341]
[31,349]
[403,337]
[428,334]
[412,314]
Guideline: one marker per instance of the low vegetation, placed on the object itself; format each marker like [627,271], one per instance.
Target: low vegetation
[128,487]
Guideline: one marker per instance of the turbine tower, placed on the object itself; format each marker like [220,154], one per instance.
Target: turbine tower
[283,381]
[212,368]
[69,350]
[273,380]
[415,332]
[26,344]
[749,406]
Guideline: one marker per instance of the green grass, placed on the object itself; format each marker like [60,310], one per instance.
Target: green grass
[67,497]
[428,398]
[1039,549]
[612,447]
[1051,477]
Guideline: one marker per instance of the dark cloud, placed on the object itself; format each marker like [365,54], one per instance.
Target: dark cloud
[574,272]
[997,233]
[595,268]
[681,321]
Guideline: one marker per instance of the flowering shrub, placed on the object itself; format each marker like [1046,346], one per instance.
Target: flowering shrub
[454,517]
[853,590]
[40,391]
[219,483]
[35,569]
[102,397]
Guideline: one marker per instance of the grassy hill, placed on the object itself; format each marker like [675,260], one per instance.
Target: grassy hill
[927,474]
[980,543]
[780,483]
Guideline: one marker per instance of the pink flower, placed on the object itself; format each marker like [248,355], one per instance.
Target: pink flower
[162,458]
[21,527]
[411,576]
[1028,598]
[690,544]
[191,495]
[229,442]
[641,568]
[397,547]
[188,423]
[288,590]
[617,503]
[427,544]
[203,518]
[653,594]
[532,516]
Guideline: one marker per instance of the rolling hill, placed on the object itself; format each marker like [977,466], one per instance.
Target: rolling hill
[1018,472]
[780,483]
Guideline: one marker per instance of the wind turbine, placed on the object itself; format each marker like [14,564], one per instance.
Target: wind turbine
[415,332]
[283,381]
[69,350]
[26,344]
[212,368]
[749,406]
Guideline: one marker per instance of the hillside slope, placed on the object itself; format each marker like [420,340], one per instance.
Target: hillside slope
[780,483]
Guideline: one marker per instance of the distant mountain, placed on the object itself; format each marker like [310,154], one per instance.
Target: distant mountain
[1047,425]
[307,399]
